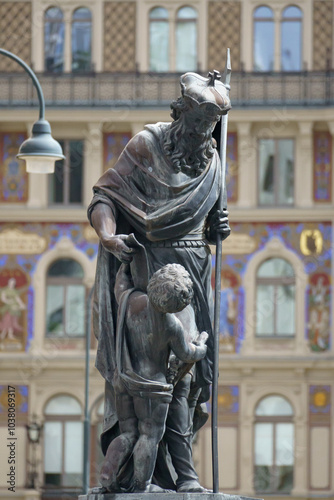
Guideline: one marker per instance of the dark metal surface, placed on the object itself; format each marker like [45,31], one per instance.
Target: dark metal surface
[222,205]
[145,90]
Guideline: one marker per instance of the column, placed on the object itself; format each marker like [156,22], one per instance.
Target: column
[37,38]
[93,158]
[303,165]
[247,166]
[246,438]
[202,37]
[301,452]
[142,37]
[247,30]
[97,37]
[68,41]
[277,34]
[38,185]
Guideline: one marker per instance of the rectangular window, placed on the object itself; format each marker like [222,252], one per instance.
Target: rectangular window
[66,183]
[276,172]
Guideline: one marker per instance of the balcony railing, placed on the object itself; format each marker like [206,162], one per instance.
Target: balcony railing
[144,90]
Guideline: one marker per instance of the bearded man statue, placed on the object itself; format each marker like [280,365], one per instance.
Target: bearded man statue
[164,189]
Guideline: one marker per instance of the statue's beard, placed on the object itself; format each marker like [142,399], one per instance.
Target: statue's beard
[189,150]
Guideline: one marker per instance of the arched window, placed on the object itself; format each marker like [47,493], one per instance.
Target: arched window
[186,39]
[291,39]
[275,298]
[274,446]
[54,32]
[159,39]
[81,40]
[264,39]
[65,299]
[63,443]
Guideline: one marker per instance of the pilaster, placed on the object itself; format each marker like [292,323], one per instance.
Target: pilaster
[303,165]
[93,158]
[247,166]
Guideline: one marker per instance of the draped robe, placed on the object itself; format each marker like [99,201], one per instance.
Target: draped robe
[162,208]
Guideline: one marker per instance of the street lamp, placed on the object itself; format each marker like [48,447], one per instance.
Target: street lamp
[34,430]
[40,151]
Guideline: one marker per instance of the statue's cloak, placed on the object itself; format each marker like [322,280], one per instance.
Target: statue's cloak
[148,199]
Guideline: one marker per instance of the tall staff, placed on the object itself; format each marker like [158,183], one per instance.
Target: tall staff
[222,204]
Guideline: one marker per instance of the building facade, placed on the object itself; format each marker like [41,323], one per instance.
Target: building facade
[107,68]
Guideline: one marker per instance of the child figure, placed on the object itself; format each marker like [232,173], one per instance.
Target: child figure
[149,326]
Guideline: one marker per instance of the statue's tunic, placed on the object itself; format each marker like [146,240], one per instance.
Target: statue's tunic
[167,212]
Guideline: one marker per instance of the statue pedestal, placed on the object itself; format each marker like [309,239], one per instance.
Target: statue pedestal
[162,496]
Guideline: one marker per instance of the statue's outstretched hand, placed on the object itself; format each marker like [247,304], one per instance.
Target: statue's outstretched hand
[117,245]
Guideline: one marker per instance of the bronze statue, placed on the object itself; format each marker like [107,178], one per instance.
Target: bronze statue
[164,190]
[149,327]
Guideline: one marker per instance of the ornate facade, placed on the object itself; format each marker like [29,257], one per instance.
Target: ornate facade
[276,348]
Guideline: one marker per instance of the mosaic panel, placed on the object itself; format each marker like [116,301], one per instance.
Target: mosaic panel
[224,30]
[319,404]
[119,36]
[17,299]
[21,403]
[113,145]
[13,308]
[15,33]
[13,175]
[311,242]
[322,34]
[322,167]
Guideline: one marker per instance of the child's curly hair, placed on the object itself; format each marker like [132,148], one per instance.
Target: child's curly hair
[170,289]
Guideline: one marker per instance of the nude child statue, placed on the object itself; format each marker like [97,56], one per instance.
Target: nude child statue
[150,326]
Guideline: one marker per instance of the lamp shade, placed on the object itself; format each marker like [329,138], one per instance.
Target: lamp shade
[40,151]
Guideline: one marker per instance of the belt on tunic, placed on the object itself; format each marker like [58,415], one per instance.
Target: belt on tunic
[193,243]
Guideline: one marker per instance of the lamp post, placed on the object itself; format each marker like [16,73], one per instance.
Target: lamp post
[34,430]
[40,151]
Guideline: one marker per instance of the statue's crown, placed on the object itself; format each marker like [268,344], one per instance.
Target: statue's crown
[206,90]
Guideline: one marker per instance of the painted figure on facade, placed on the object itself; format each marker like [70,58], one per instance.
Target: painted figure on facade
[164,189]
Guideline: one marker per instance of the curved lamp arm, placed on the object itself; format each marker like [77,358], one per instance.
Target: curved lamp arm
[40,151]
[32,76]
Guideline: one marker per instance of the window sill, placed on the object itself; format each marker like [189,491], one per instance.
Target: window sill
[275,337]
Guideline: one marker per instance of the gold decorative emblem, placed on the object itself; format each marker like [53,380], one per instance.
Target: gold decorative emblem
[320,399]
[311,242]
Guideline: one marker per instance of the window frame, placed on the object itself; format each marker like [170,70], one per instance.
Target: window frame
[173,21]
[65,282]
[66,176]
[278,21]
[276,163]
[275,282]
[62,419]
[177,21]
[44,39]
[263,19]
[273,420]
[168,22]
[73,21]
[288,20]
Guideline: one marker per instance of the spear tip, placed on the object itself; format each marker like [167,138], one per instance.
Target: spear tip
[228,70]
